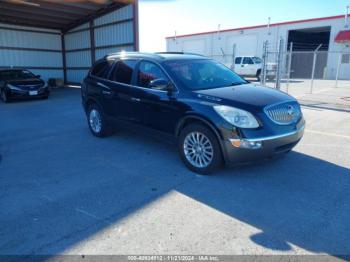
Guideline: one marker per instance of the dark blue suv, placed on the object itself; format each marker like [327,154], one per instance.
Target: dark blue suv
[216,116]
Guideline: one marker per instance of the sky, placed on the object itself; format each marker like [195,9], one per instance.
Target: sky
[161,18]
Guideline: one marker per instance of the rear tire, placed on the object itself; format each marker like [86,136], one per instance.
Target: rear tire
[97,122]
[199,149]
[258,75]
[4,96]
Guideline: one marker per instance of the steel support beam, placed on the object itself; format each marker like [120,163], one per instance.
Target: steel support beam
[92,41]
[64,62]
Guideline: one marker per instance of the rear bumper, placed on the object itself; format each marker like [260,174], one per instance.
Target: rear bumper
[271,146]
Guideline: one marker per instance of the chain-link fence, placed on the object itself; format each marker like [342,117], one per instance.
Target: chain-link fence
[306,72]
[292,70]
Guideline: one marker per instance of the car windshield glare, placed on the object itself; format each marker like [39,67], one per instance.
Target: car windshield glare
[16,74]
[202,74]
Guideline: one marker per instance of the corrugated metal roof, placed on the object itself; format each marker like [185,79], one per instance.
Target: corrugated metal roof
[55,14]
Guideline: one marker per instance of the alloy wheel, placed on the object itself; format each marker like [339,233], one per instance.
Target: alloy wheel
[198,149]
[95,121]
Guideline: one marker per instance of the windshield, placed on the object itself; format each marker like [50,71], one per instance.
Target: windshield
[257,60]
[16,74]
[202,74]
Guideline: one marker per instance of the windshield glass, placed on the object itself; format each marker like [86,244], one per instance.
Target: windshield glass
[257,60]
[202,74]
[16,74]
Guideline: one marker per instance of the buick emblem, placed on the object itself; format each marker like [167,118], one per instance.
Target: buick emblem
[290,110]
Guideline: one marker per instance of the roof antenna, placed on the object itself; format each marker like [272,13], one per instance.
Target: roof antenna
[269,26]
[347,17]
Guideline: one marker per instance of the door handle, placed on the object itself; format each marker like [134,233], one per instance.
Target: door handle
[106,92]
[134,99]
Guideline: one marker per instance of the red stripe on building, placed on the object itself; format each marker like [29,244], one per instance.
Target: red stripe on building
[262,26]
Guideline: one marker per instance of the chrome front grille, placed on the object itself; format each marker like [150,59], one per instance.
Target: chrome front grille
[284,113]
[31,87]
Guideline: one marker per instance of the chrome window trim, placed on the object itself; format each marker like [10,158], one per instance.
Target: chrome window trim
[176,89]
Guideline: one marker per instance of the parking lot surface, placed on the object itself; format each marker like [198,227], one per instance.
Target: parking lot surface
[63,191]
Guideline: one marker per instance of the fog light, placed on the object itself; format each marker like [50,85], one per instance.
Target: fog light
[246,144]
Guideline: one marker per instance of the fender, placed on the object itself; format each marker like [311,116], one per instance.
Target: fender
[90,99]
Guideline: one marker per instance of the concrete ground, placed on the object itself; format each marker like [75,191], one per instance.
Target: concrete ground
[63,191]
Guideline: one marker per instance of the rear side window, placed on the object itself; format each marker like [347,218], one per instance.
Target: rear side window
[123,71]
[248,61]
[101,69]
[238,60]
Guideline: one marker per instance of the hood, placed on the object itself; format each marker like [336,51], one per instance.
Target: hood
[248,96]
[26,82]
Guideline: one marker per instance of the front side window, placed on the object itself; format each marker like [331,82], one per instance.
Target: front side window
[238,60]
[102,69]
[123,71]
[148,72]
[248,61]
[201,74]
[257,60]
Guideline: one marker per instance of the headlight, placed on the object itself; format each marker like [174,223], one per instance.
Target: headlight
[237,117]
[14,88]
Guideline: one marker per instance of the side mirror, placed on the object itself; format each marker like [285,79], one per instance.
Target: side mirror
[161,84]
[38,76]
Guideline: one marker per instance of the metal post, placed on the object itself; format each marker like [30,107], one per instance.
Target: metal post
[314,68]
[92,41]
[233,57]
[64,62]
[279,65]
[265,57]
[338,70]
[289,65]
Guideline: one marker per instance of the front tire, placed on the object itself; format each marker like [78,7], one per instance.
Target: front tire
[97,122]
[199,149]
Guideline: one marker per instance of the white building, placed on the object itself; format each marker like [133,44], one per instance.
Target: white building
[306,35]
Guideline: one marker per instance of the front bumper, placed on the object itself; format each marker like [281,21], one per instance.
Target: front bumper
[270,147]
[24,94]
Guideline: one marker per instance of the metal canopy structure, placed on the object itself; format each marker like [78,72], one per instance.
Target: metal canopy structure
[55,14]
[63,38]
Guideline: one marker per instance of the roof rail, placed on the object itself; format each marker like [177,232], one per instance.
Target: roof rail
[177,53]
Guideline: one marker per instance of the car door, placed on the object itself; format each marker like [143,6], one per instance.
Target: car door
[119,96]
[161,110]
[248,67]
[238,68]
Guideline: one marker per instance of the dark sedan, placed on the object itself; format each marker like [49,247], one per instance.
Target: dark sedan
[216,115]
[21,83]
